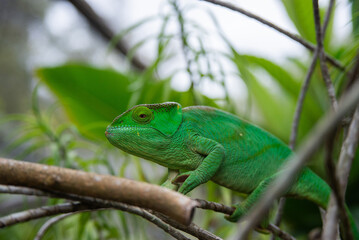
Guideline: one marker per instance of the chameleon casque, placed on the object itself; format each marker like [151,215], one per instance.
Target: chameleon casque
[204,144]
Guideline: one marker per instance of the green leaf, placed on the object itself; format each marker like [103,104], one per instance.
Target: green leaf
[273,107]
[301,14]
[355,17]
[287,82]
[92,97]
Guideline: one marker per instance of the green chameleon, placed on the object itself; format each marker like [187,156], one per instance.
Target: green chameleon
[205,144]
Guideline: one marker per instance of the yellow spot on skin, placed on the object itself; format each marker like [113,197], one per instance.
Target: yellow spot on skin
[138,134]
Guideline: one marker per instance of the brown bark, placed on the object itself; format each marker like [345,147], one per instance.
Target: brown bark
[144,195]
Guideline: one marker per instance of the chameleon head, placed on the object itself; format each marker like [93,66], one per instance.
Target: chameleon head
[145,129]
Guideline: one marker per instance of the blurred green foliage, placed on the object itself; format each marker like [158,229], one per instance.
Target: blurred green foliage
[92,97]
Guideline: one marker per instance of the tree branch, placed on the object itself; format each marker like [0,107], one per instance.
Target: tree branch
[100,26]
[297,162]
[218,207]
[51,222]
[192,229]
[36,213]
[295,37]
[168,202]
[299,107]
[336,204]
[95,203]
[322,56]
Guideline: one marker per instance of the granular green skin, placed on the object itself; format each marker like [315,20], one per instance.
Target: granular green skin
[210,144]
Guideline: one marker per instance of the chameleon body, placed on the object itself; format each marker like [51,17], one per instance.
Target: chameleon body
[210,144]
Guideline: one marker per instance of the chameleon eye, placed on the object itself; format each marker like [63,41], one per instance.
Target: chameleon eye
[142,115]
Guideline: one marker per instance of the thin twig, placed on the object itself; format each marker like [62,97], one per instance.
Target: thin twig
[322,58]
[295,37]
[300,102]
[192,229]
[36,213]
[51,222]
[279,214]
[348,152]
[100,26]
[218,207]
[336,204]
[330,228]
[296,162]
[276,231]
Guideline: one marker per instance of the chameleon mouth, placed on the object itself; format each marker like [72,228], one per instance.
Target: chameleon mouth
[113,131]
[107,134]
[108,131]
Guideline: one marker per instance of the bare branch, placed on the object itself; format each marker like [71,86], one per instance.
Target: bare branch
[297,162]
[322,56]
[330,228]
[279,214]
[24,191]
[279,233]
[336,203]
[192,229]
[98,24]
[51,222]
[36,213]
[50,178]
[295,37]
[300,102]
[96,203]
[218,207]
[348,152]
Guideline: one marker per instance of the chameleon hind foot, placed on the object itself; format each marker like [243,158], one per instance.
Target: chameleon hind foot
[236,215]
[239,212]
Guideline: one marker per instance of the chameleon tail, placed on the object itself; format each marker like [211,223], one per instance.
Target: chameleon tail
[313,188]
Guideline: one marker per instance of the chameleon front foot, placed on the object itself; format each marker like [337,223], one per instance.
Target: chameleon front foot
[189,181]
[180,178]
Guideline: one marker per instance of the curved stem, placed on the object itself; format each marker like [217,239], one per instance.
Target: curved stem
[295,37]
[322,57]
